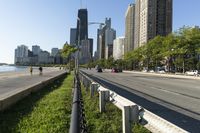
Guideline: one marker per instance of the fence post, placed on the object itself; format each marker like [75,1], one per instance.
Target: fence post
[102,101]
[93,88]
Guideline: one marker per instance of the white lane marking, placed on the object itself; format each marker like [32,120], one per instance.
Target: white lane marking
[165,91]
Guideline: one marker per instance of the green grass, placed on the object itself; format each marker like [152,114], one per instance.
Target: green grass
[107,122]
[46,111]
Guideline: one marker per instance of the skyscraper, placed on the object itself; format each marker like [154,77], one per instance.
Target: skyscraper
[152,18]
[129,28]
[105,38]
[82,25]
[21,52]
[73,36]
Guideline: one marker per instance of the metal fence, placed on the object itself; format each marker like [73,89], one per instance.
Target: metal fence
[78,121]
[131,112]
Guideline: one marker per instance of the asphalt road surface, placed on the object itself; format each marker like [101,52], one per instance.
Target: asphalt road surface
[173,98]
[11,82]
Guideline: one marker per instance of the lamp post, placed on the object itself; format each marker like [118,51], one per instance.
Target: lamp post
[78,46]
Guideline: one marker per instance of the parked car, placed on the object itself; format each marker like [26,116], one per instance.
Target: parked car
[192,73]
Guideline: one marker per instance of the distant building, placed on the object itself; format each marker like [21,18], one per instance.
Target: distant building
[73,36]
[21,52]
[85,52]
[43,57]
[91,46]
[36,49]
[83,20]
[54,51]
[118,48]
[105,38]
[110,35]
[129,28]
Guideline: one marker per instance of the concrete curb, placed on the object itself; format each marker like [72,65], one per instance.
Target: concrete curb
[14,97]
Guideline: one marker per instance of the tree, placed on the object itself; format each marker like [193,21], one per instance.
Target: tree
[67,52]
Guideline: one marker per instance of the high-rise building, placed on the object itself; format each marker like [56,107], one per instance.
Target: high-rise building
[153,17]
[54,51]
[118,48]
[36,49]
[43,57]
[110,35]
[83,26]
[73,36]
[129,28]
[85,52]
[105,38]
[21,52]
[91,46]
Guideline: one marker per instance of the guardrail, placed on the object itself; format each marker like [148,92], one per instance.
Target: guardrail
[131,112]
[78,122]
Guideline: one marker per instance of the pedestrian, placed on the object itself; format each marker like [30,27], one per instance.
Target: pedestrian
[40,69]
[31,70]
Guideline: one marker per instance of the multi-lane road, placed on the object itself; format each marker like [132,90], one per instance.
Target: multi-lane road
[175,99]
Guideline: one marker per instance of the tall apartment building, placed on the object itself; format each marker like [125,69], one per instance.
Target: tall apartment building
[83,26]
[36,49]
[152,18]
[118,48]
[54,51]
[129,28]
[21,52]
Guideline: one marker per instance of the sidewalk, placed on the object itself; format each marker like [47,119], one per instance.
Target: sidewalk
[17,86]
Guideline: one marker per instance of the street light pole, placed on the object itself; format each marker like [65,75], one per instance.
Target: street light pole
[79,37]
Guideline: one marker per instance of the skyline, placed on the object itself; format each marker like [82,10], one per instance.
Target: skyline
[47,23]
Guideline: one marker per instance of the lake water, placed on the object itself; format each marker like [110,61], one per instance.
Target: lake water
[6,68]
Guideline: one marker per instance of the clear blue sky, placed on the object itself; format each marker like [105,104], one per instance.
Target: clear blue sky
[47,22]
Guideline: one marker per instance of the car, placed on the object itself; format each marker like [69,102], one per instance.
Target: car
[151,71]
[161,71]
[116,70]
[99,69]
[192,73]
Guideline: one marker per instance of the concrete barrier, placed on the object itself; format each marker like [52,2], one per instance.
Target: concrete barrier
[13,97]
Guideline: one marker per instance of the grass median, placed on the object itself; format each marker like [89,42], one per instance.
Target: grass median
[106,122]
[46,111]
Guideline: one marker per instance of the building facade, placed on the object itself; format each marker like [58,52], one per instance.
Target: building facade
[110,35]
[152,18]
[129,28]
[73,36]
[85,52]
[21,52]
[105,38]
[54,51]
[36,49]
[118,48]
